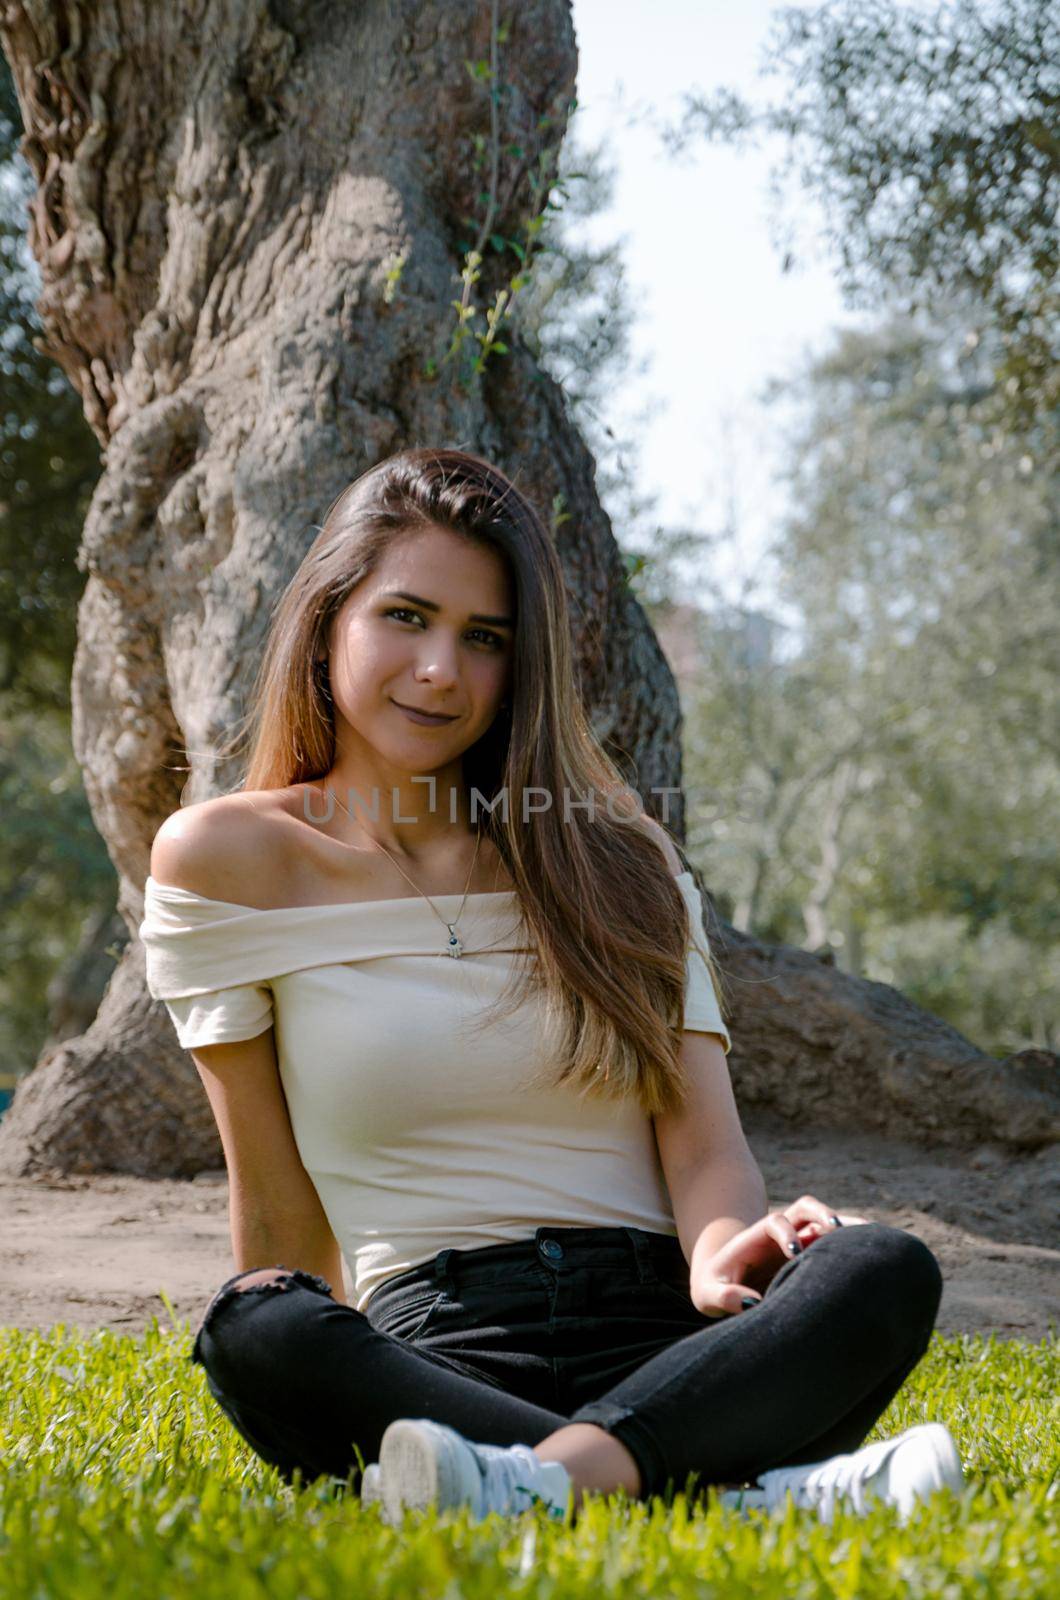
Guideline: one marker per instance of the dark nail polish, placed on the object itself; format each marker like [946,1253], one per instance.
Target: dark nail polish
[835,1222]
[748,1301]
[795,1247]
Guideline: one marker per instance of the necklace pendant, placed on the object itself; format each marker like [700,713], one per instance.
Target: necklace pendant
[454,947]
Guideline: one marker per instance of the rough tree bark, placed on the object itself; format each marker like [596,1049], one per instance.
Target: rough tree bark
[222,189]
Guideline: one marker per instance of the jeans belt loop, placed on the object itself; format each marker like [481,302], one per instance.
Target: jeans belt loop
[443,1272]
[641,1254]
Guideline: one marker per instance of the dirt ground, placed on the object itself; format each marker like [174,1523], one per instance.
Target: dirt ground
[95,1252]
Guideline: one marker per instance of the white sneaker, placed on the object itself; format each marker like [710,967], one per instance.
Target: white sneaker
[424,1463]
[901,1472]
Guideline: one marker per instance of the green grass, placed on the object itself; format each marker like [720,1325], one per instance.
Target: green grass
[120,1477]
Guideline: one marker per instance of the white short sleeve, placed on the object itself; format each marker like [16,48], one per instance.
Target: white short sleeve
[702,1011]
[222,1015]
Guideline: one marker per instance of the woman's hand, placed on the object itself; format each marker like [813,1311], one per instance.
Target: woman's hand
[744,1268]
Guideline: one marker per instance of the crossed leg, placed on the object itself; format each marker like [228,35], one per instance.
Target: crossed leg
[596,1460]
[851,1317]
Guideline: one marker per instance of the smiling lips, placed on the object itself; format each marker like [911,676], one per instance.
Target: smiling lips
[427,716]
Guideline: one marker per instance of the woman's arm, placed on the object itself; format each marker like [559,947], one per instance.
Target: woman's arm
[260,1241]
[712,1204]
[716,1189]
[275,1213]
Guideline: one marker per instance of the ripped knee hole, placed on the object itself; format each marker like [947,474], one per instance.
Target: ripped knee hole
[262,1275]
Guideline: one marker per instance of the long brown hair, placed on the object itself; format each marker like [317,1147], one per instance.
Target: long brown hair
[606,921]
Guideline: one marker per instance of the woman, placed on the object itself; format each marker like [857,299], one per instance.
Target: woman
[565,1276]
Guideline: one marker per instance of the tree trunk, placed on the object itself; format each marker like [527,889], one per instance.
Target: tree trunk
[223,190]
[829,867]
[75,987]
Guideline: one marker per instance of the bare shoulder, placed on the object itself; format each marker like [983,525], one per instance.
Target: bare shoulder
[224,848]
[656,831]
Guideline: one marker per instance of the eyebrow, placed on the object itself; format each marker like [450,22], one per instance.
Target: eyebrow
[432,605]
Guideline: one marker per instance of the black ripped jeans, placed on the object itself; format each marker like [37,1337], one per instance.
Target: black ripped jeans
[509,1342]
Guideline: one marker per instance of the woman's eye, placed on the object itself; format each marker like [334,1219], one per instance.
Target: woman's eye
[493,639]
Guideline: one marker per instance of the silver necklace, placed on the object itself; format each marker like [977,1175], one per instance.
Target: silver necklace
[453,945]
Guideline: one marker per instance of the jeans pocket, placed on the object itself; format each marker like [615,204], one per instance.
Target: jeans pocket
[406,1316]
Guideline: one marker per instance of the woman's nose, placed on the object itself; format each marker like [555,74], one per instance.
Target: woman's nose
[438,663]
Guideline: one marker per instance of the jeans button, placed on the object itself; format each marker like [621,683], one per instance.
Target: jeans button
[552,1249]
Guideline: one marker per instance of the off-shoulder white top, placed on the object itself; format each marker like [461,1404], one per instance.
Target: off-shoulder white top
[418,1132]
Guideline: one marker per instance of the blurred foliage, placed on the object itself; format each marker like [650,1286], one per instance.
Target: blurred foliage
[49,464]
[932,142]
[882,778]
[924,550]
[55,870]
[887,786]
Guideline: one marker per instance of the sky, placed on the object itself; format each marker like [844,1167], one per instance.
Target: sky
[717,317]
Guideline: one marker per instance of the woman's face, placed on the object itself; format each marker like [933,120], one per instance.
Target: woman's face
[432,628]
